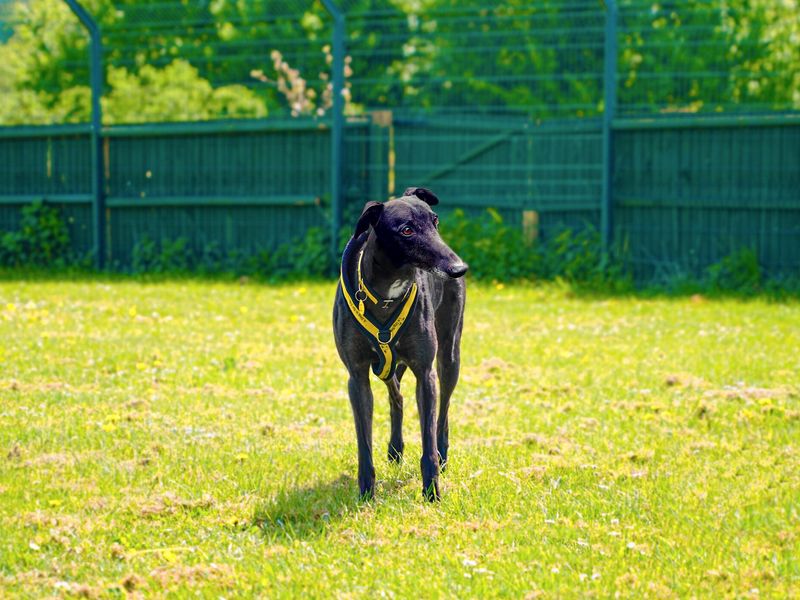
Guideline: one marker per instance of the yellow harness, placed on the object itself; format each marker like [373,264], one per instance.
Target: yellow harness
[382,336]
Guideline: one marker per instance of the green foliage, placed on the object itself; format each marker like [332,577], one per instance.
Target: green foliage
[39,63]
[309,257]
[737,272]
[169,256]
[405,53]
[573,256]
[42,239]
[492,249]
[306,258]
[497,251]
[176,90]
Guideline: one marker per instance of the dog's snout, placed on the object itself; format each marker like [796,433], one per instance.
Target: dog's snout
[457,269]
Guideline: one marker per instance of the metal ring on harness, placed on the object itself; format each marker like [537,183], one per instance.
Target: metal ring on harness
[362,297]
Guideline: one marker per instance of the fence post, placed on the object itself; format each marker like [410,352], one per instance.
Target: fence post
[96,82]
[609,111]
[337,126]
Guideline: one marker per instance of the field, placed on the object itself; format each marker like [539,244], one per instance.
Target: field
[194,438]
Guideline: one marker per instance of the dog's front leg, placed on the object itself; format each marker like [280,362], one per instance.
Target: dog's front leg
[426,404]
[361,401]
[395,453]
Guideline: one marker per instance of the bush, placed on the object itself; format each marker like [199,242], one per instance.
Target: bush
[41,241]
[738,272]
[308,257]
[492,249]
[171,256]
[496,251]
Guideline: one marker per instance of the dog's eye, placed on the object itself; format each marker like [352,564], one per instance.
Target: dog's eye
[407,231]
[436,221]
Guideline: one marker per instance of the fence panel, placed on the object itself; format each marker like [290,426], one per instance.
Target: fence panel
[366,163]
[513,165]
[238,187]
[47,163]
[687,195]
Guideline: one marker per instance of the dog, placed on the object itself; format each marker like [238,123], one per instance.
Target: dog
[400,304]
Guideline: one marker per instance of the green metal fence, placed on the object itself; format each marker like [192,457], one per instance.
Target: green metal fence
[672,127]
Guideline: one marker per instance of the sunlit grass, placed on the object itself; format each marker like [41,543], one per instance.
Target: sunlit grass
[196,437]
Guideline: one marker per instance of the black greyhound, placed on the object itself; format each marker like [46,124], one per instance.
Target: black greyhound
[400,303]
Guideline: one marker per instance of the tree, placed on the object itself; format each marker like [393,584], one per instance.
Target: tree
[215,59]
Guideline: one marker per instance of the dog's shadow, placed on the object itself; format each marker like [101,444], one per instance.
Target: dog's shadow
[308,511]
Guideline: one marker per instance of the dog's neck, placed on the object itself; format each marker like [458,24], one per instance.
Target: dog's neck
[388,281]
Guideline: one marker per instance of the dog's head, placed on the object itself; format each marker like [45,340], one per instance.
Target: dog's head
[407,231]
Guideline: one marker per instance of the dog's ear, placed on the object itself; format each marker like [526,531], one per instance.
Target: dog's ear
[423,194]
[369,216]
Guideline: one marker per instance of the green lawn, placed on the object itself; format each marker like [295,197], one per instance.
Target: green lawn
[191,438]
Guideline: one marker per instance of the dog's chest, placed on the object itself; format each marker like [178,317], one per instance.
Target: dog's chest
[397,289]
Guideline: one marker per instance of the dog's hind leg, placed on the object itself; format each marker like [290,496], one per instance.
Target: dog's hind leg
[361,401]
[395,453]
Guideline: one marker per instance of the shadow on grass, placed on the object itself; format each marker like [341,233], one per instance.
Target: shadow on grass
[308,511]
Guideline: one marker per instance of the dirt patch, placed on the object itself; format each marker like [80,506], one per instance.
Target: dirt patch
[15,453]
[684,380]
[44,386]
[747,393]
[131,582]
[169,503]
[485,525]
[261,391]
[492,367]
[34,576]
[41,580]
[193,574]
[638,457]
[43,520]
[554,446]
[52,459]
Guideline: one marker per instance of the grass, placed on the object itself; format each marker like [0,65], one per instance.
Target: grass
[182,438]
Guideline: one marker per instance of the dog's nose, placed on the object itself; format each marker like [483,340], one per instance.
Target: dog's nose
[457,269]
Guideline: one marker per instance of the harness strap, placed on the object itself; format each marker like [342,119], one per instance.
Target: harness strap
[362,287]
[382,336]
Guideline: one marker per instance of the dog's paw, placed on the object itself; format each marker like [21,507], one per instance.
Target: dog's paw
[367,492]
[431,492]
[395,453]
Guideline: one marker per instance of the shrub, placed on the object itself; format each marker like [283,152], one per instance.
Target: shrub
[737,272]
[41,241]
[492,249]
[497,251]
[308,257]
